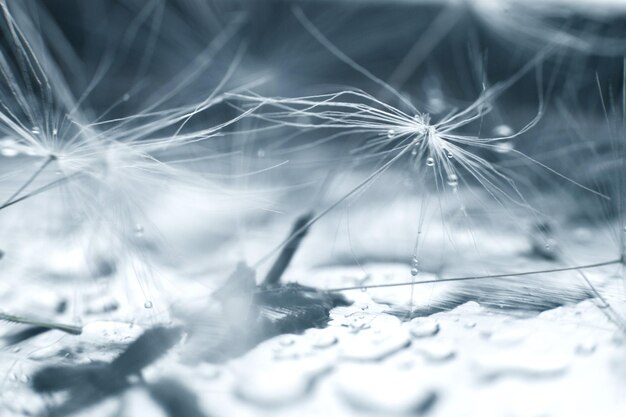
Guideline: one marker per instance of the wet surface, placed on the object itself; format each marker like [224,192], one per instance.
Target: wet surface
[365,362]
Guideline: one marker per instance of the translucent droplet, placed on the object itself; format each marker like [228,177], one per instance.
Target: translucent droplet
[430,161]
[503,130]
[371,345]
[504,147]
[288,384]
[435,351]
[586,348]
[415,263]
[147,304]
[453,180]
[138,229]
[287,341]
[414,151]
[521,364]
[449,155]
[382,390]
[8,147]
[324,340]
[437,105]
[9,152]
[126,97]
[391,133]
[260,153]
[423,327]
[358,324]
[55,131]
[35,130]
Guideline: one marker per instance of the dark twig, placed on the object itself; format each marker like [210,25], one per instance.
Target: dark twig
[298,232]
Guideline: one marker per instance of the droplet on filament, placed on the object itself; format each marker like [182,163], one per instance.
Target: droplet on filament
[415,266]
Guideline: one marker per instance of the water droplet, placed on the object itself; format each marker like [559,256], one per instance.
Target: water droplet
[55,131]
[287,341]
[586,348]
[8,147]
[503,147]
[126,97]
[147,304]
[357,324]
[373,344]
[324,340]
[449,155]
[423,327]
[138,229]
[287,384]
[430,161]
[9,152]
[383,390]
[503,130]
[260,153]
[415,263]
[35,130]
[414,151]
[521,364]
[435,351]
[453,180]
[209,371]
[512,334]
[391,133]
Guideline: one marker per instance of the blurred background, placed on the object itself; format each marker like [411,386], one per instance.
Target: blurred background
[170,182]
